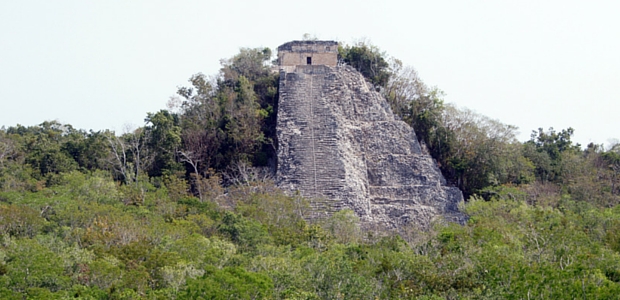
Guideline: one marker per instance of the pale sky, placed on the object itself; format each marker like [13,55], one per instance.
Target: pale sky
[104,64]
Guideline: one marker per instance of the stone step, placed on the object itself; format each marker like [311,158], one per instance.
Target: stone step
[380,153]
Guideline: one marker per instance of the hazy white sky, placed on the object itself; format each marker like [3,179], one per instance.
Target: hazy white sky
[103,64]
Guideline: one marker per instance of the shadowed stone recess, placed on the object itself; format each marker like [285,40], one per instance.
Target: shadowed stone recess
[340,145]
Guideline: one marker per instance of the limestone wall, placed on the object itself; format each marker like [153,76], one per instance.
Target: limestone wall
[300,58]
[340,145]
[297,52]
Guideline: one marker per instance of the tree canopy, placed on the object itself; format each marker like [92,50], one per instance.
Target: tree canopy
[185,207]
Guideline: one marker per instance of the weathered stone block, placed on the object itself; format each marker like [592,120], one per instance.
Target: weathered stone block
[340,145]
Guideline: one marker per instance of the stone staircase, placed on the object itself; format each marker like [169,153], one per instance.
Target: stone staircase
[340,146]
[314,169]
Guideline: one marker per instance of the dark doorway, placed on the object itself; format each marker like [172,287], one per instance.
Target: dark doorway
[308,60]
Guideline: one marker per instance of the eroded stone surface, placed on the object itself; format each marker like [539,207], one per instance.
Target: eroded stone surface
[340,145]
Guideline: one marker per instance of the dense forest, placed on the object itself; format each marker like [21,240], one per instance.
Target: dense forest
[185,207]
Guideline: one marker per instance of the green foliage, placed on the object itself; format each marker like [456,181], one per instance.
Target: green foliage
[539,249]
[249,63]
[163,135]
[81,237]
[97,187]
[229,283]
[611,158]
[368,60]
[18,178]
[282,215]
[244,232]
[20,220]
[29,264]
[145,215]
[43,145]
[545,150]
[483,152]
[344,226]
[232,117]
[472,151]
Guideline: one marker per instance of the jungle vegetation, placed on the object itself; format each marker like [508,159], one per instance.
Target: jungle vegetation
[185,206]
